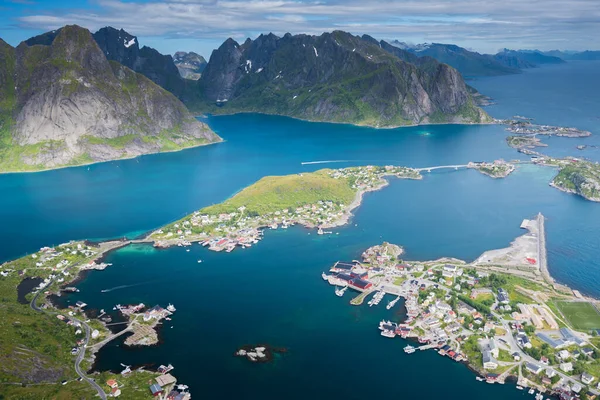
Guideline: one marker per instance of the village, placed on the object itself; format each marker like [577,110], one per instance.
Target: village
[242,227]
[500,325]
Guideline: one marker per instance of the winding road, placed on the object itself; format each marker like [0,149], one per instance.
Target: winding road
[81,353]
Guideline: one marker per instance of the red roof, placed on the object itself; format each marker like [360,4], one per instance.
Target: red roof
[531,260]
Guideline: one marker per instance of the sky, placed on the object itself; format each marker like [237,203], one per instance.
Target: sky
[202,25]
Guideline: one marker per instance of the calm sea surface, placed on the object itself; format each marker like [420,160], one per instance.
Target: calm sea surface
[272,293]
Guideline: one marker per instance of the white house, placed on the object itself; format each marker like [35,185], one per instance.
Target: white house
[566,367]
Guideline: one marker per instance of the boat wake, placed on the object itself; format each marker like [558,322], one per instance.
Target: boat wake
[326,162]
[121,287]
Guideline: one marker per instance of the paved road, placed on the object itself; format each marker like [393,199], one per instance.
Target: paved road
[81,354]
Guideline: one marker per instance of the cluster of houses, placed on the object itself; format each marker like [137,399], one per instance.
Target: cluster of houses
[226,230]
[368,177]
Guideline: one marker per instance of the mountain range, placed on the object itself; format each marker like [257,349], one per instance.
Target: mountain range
[64,103]
[335,77]
[472,64]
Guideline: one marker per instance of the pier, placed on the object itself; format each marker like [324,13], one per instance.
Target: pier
[358,300]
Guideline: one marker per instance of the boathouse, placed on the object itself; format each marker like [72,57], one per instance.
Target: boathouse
[360,283]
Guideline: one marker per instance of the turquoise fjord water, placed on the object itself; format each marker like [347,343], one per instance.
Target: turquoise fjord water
[272,293]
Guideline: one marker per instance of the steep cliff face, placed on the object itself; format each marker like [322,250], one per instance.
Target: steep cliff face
[72,105]
[120,46]
[334,77]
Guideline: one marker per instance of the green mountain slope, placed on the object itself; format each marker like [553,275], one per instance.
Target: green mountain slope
[334,77]
[63,103]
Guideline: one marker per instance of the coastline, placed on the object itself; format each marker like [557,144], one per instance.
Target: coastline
[571,191]
[416,282]
[107,161]
[492,122]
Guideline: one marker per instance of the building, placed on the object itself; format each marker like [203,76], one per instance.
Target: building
[156,312]
[533,368]
[165,380]
[112,383]
[587,378]
[503,296]
[155,389]
[360,283]
[115,392]
[550,372]
[563,355]
[489,362]
[588,351]
[569,336]
[566,367]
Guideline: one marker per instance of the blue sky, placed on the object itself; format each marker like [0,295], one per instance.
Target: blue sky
[202,25]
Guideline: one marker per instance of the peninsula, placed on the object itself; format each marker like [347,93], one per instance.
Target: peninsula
[502,314]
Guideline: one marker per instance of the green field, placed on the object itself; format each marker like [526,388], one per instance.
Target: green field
[273,193]
[581,315]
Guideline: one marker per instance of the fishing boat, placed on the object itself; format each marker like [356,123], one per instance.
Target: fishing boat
[392,303]
[388,334]
[409,349]
[340,292]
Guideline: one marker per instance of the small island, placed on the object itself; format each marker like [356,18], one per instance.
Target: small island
[526,127]
[524,142]
[497,169]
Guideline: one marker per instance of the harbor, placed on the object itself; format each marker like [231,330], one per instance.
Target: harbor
[462,312]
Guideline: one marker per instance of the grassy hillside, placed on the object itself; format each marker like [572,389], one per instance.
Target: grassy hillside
[274,193]
[582,178]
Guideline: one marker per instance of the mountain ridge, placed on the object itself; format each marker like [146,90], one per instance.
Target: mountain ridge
[334,77]
[65,104]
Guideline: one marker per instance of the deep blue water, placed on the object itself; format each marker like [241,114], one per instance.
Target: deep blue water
[272,292]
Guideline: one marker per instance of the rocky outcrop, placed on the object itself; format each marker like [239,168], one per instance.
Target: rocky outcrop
[334,77]
[72,106]
[190,65]
[120,46]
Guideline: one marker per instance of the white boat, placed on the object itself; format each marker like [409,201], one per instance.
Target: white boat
[392,303]
[199,261]
[480,379]
[519,387]
[340,292]
[388,333]
[324,276]
[320,231]
[409,349]
[531,391]
[171,308]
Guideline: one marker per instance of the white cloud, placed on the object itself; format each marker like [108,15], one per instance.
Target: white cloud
[474,23]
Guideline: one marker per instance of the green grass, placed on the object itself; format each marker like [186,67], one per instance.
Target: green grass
[581,315]
[582,178]
[31,342]
[274,193]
